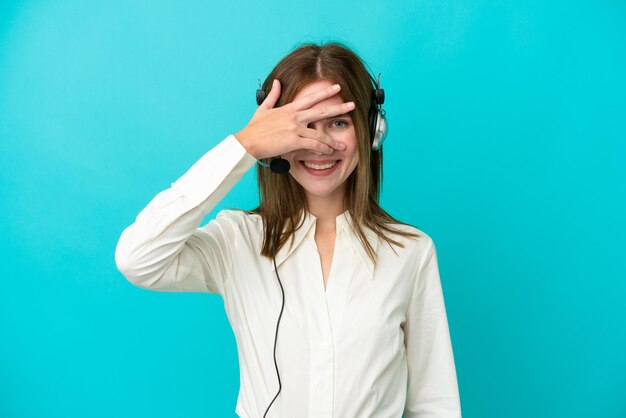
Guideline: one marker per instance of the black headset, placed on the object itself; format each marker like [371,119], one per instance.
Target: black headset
[378,132]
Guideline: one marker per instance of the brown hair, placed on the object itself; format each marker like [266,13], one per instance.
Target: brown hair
[282,198]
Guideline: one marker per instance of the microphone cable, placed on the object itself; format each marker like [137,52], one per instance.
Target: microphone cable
[279,316]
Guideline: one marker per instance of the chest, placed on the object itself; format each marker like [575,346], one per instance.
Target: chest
[326,296]
[326,248]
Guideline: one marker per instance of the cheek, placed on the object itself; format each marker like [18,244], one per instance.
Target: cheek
[353,164]
[351,152]
[351,144]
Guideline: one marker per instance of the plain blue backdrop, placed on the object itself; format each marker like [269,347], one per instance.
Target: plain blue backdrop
[506,145]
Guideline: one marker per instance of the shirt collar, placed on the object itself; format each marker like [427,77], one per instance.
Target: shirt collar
[343,226]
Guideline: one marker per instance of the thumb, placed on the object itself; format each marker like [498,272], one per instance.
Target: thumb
[273,95]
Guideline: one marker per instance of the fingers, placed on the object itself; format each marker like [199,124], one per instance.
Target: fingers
[310,115]
[316,146]
[273,96]
[312,144]
[309,100]
[324,142]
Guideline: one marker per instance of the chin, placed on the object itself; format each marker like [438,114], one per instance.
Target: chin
[318,190]
[320,193]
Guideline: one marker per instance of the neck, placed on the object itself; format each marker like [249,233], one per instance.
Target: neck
[326,209]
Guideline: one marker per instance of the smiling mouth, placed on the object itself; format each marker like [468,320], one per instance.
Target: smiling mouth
[319,165]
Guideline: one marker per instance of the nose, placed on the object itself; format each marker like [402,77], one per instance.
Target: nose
[317,125]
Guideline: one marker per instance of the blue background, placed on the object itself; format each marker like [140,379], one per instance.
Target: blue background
[506,145]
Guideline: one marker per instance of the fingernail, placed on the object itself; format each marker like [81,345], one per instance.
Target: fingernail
[335,87]
[350,105]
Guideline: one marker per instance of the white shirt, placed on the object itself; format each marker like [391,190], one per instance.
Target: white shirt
[374,344]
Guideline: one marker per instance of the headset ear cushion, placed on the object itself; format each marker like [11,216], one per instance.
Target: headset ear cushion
[373,113]
[260,97]
[381,130]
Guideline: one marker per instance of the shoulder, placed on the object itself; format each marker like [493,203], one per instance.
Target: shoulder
[423,238]
[415,247]
[238,215]
[242,220]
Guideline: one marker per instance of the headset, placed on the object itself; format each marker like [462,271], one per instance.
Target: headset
[377,122]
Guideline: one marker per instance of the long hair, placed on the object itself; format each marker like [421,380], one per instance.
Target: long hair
[282,198]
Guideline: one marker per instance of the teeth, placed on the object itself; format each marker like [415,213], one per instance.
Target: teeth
[319,167]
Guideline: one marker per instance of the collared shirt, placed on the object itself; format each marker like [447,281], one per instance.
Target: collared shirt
[374,343]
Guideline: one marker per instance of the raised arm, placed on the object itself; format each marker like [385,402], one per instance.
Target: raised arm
[432,382]
[164,250]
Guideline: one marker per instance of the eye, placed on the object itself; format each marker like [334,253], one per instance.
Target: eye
[345,122]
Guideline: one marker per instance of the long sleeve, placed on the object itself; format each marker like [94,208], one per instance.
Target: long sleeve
[432,381]
[164,249]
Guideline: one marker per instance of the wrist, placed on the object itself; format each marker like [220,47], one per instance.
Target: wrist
[244,140]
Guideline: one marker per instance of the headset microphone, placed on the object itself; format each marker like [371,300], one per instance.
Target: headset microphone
[277,165]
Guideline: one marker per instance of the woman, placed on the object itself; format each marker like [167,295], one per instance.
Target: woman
[362,328]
